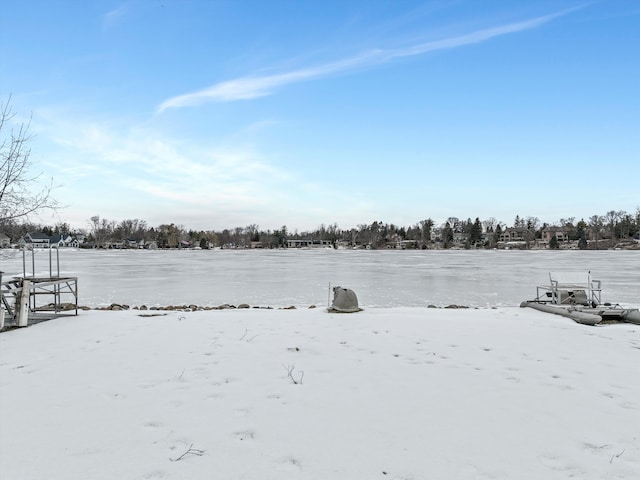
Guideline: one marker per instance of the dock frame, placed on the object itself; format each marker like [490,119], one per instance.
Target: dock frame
[44,297]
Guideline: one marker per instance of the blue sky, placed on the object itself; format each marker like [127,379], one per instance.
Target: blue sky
[216,114]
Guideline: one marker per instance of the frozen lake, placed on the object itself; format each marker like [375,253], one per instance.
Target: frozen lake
[478,278]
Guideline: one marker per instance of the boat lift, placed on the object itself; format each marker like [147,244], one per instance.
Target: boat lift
[580,301]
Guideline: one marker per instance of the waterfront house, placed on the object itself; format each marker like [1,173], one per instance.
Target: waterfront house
[460,238]
[514,235]
[306,243]
[559,232]
[43,240]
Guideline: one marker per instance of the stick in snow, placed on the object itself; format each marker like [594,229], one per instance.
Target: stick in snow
[617,456]
[190,451]
[290,369]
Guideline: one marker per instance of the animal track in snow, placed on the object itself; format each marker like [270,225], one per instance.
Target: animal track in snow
[290,464]
[242,436]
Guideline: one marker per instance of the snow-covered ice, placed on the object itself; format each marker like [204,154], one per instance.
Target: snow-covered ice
[387,278]
[388,393]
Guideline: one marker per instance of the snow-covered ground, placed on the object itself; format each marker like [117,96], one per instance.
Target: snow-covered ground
[387,393]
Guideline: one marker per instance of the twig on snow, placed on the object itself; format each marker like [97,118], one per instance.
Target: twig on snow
[248,340]
[246,330]
[190,451]
[290,369]
[617,455]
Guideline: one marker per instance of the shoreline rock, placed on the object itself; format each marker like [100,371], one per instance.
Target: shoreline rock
[225,306]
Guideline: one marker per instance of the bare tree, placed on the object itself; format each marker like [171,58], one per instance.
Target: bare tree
[611,218]
[425,231]
[454,223]
[531,225]
[490,225]
[595,223]
[102,230]
[20,193]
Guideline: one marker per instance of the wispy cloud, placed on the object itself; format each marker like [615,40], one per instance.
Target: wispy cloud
[114,16]
[150,175]
[147,161]
[250,87]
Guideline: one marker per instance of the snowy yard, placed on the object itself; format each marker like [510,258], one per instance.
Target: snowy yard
[397,393]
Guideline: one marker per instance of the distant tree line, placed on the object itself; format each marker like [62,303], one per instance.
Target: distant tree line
[605,230]
[22,197]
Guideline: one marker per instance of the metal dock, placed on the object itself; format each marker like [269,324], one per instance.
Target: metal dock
[29,299]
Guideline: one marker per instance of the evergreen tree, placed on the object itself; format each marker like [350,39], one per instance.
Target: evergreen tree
[517,223]
[447,235]
[425,231]
[475,235]
[497,233]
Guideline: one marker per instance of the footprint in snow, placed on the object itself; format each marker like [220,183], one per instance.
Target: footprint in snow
[153,424]
[290,464]
[244,436]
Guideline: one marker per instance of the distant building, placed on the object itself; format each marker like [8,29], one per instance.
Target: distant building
[559,232]
[514,235]
[460,238]
[42,240]
[306,243]
[343,244]
[408,244]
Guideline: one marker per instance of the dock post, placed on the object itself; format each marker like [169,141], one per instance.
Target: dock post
[22,310]
[1,304]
